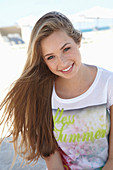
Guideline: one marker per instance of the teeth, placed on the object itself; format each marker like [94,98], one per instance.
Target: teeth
[67,68]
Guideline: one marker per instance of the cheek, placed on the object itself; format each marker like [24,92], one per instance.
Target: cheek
[51,66]
[77,55]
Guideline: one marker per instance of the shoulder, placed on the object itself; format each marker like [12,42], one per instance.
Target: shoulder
[105,71]
[106,84]
[101,72]
[107,81]
[105,74]
[106,78]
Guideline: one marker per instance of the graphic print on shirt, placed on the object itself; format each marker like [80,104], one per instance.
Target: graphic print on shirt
[81,133]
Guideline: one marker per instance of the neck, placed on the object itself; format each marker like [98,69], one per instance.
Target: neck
[78,84]
[75,81]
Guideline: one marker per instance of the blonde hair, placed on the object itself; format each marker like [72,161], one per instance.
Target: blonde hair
[28,103]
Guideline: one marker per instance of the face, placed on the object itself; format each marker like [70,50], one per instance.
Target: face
[61,54]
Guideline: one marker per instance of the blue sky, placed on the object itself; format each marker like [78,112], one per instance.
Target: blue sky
[12,10]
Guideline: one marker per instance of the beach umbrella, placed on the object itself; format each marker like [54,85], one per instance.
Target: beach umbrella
[26,24]
[79,20]
[96,13]
[27,21]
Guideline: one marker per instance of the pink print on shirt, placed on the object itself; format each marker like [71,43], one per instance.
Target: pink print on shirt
[81,134]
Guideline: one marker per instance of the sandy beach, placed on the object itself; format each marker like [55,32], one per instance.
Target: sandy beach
[96,49]
[6,158]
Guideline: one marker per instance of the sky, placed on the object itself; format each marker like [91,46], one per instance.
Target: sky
[13,10]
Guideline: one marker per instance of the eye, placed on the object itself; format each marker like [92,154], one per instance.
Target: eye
[50,57]
[66,49]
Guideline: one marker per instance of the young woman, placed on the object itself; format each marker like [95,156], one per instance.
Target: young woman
[60,108]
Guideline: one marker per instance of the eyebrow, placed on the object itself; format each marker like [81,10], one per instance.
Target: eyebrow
[60,49]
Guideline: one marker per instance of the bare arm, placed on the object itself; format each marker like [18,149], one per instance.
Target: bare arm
[109,164]
[54,162]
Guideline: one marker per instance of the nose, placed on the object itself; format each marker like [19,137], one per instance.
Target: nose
[62,61]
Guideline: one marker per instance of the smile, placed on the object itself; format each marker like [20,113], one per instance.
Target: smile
[67,69]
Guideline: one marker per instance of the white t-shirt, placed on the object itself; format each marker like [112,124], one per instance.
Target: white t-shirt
[82,124]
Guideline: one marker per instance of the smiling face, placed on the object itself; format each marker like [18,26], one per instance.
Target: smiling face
[61,54]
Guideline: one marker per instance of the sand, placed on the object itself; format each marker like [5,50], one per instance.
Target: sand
[7,155]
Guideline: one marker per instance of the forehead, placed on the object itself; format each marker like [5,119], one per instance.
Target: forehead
[55,41]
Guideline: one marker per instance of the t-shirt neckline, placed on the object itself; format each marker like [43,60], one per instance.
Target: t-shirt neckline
[85,94]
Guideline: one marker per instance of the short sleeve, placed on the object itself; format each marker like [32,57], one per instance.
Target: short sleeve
[110,92]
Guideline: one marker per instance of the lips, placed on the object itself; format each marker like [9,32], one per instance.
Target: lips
[68,69]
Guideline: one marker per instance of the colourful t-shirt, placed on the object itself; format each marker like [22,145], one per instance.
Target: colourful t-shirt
[82,124]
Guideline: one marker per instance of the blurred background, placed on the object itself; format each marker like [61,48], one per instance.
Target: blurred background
[94,18]
[17,18]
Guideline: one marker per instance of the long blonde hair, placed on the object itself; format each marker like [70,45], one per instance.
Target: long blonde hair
[28,103]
